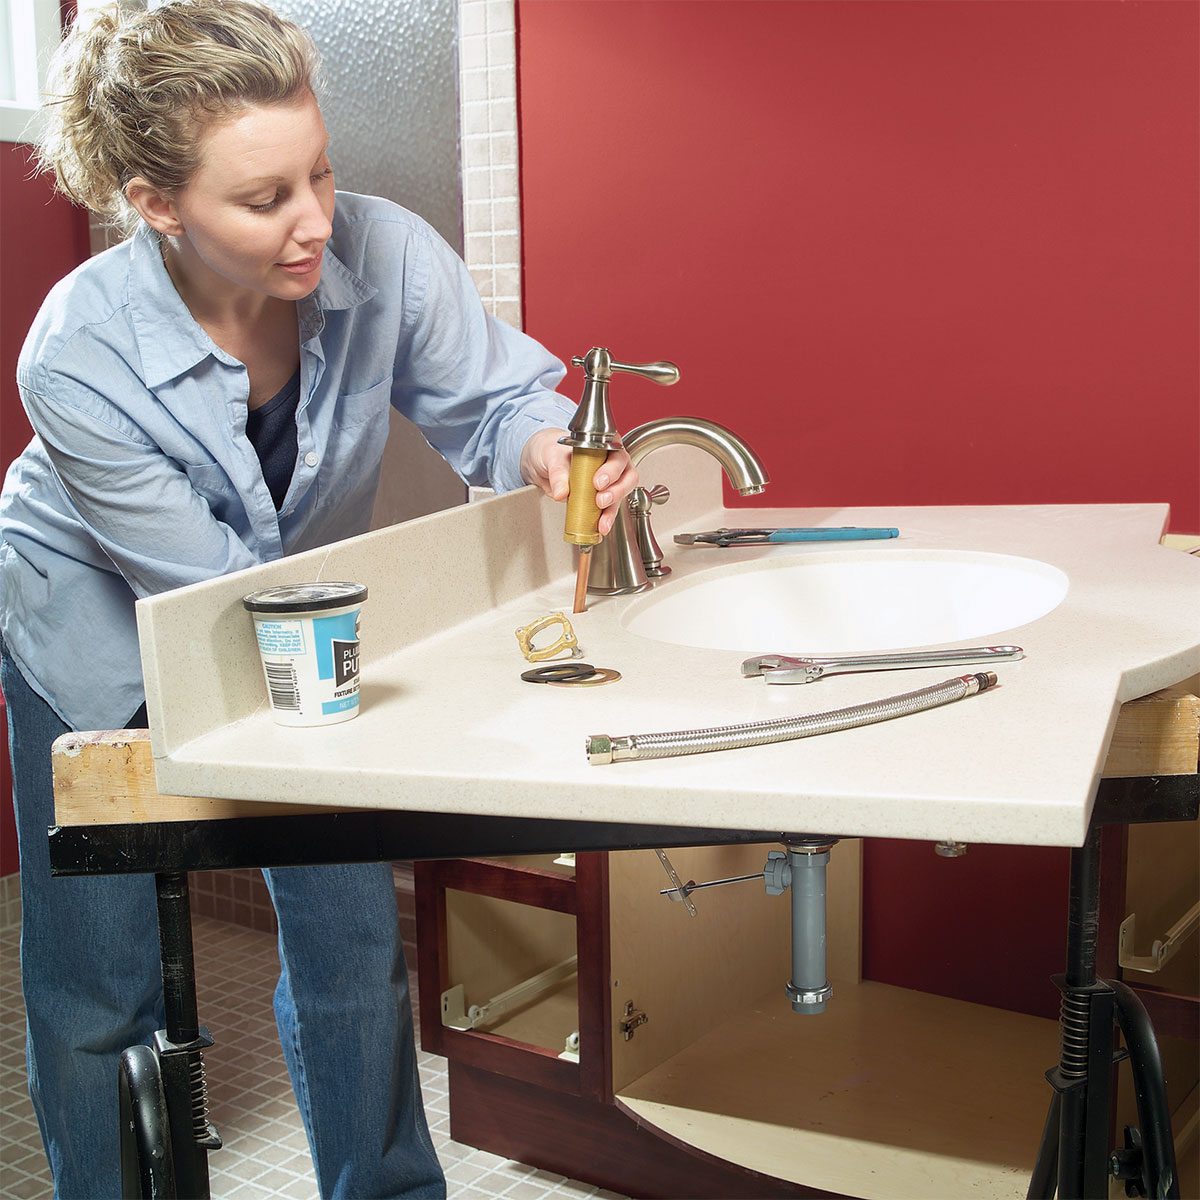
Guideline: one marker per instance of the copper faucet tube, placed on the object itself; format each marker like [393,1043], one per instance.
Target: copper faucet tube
[581,579]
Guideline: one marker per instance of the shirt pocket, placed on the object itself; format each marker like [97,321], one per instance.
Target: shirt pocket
[349,470]
[359,408]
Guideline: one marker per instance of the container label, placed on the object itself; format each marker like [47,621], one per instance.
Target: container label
[280,637]
[345,662]
[311,666]
[330,633]
[283,685]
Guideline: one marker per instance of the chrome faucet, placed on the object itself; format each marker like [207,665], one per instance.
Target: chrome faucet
[630,556]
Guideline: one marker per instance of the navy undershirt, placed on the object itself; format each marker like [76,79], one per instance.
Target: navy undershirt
[271,429]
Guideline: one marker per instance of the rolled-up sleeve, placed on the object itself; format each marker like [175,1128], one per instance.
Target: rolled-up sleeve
[477,388]
[138,503]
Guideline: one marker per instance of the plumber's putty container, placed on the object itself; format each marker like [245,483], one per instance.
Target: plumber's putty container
[308,640]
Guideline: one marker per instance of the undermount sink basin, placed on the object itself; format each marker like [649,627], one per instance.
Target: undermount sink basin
[849,601]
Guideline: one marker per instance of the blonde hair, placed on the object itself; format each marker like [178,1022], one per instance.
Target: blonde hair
[132,92]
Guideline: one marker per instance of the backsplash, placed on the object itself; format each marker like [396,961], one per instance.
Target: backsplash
[491,192]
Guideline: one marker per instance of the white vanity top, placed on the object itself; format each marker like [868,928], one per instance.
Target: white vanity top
[447,725]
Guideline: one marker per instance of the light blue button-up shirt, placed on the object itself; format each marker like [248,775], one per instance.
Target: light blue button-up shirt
[140,477]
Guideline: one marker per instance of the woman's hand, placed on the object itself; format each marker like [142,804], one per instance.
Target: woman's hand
[548,465]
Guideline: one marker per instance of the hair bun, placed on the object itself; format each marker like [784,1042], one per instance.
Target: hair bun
[131,91]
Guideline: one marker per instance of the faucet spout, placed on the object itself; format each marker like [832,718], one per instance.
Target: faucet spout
[624,561]
[743,468]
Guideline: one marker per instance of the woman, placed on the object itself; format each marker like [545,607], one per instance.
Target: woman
[211,394]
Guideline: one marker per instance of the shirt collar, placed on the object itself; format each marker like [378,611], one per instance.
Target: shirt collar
[339,288]
[170,340]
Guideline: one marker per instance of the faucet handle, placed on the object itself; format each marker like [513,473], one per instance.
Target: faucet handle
[640,499]
[662,373]
[599,364]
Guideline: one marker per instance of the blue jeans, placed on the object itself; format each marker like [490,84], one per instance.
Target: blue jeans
[91,974]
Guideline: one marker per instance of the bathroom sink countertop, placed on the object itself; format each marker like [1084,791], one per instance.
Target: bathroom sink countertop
[447,725]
